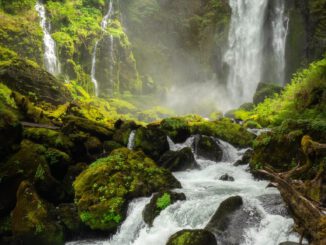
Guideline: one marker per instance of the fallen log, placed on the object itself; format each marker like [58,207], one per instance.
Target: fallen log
[38,125]
[307,214]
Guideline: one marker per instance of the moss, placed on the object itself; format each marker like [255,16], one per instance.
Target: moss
[22,34]
[192,237]
[49,137]
[224,129]
[105,187]
[163,201]
[32,220]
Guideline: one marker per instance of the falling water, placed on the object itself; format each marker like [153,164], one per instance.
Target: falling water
[245,52]
[280,29]
[104,24]
[51,62]
[203,188]
[131,140]
[93,71]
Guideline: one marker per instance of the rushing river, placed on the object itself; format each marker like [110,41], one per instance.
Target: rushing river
[205,192]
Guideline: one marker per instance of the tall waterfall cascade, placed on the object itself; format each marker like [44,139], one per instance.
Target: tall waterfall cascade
[104,23]
[51,60]
[246,42]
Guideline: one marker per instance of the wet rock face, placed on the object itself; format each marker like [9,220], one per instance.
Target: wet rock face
[178,160]
[159,202]
[207,148]
[32,219]
[26,78]
[245,158]
[192,237]
[152,141]
[230,220]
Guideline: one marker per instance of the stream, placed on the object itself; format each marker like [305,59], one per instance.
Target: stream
[204,191]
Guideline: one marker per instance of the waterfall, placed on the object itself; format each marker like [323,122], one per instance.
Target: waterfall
[93,71]
[51,61]
[245,53]
[104,23]
[245,49]
[131,140]
[280,29]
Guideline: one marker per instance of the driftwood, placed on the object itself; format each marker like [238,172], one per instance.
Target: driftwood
[37,125]
[308,214]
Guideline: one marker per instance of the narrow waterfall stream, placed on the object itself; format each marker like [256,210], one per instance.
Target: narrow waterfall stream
[51,61]
[205,192]
[280,30]
[104,24]
[245,54]
[131,140]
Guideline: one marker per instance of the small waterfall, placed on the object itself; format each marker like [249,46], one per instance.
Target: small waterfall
[245,49]
[104,23]
[280,25]
[131,140]
[51,61]
[93,71]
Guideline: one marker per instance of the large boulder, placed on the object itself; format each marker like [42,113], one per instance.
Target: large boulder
[176,128]
[28,78]
[230,221]
[178,160]
[159,202]
[104,189]
[192,237]
[31,162]
[33,221]
[152,141]
[207,148]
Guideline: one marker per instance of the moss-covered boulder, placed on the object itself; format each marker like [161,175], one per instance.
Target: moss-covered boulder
[266,90]
[73,125]
[159,202]
[123,130]
[207,148]
[30,162]
[49,138]
[224,129]
[29,79]
[152,141]
[32,219]
[176,128]
[277,150]
[178,160]
[103,190]
[192,237]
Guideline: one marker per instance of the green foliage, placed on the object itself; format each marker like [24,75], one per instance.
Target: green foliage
[103,188]
[16,6]
[301,99]
[40,172]
[163,201]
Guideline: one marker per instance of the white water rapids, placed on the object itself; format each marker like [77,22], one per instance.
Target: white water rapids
[51,61]
[205,192]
